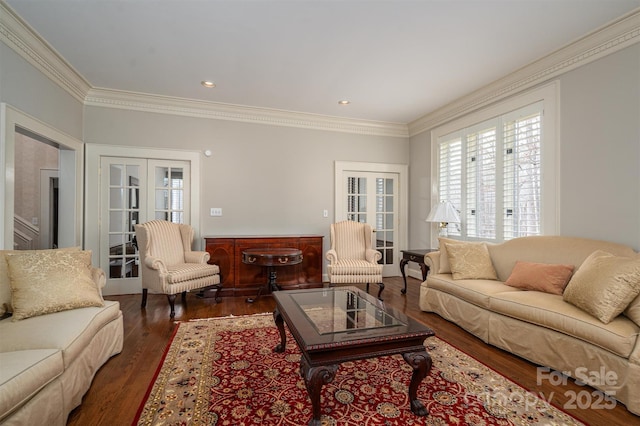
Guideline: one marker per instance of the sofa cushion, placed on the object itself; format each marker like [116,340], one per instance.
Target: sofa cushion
[24,373]
[445,267]
[543,277]
[49,281]
[477,292]
[604,285]
[70,331]
[550,311]
[5,286]
[470,261]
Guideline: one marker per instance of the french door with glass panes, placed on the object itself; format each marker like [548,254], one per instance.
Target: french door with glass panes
[371,197]
[134,191]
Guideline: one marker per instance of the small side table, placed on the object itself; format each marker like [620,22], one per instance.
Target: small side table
[416,256]
[271,258]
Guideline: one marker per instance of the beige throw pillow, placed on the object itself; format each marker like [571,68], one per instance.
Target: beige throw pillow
[633,310]
[445,267]
[48,281]
[470,261]
[543,277]
[604,285]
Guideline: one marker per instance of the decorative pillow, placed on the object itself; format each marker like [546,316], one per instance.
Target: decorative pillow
[540,276]
[5,286]
[49,281]
[633,310]
[470,261]
[604,285]
[445,267]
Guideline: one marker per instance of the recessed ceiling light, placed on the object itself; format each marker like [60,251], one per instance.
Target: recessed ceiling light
[208,84]
[344,102]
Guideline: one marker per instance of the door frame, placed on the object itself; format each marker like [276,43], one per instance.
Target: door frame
[94,154]
[71,165]
[402,170]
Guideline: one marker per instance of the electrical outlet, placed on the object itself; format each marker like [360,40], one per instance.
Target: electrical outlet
[216,211]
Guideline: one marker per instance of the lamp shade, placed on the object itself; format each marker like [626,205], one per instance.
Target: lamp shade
[444,213]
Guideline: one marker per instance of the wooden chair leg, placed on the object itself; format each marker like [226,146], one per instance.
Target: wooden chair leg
[172,304]
[144,297]
[381,285]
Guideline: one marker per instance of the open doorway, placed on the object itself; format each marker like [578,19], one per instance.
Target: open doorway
[35,192]
[63,203]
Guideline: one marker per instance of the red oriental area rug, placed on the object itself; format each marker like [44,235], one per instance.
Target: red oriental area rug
[223,371]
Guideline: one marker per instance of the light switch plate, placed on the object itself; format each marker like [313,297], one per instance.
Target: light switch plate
[216,211]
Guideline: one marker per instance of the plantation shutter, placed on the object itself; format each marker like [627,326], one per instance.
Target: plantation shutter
[481,183]
[491,173]
[522,181]
[450,176]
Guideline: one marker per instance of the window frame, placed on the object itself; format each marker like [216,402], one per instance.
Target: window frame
[548,95]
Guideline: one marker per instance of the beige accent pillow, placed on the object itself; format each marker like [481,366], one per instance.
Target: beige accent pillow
[633,310]
[5,286]
[470,261]
[48,281]
[445,267]
[604,285]
[543,277]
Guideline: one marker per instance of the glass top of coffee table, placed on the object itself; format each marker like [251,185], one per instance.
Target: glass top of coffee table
[339,310]
[344,317]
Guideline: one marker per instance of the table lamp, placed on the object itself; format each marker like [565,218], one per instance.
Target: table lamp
[444,213]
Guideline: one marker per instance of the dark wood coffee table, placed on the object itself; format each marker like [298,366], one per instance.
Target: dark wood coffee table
[340,324]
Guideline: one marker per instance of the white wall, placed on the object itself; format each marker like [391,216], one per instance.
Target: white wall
[25,88]
[267,179]
[599,154]
[600,149]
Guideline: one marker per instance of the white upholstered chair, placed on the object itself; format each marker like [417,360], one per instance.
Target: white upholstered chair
[352,260]
[168,264]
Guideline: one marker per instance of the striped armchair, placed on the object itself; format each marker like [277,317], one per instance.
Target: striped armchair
[168,264]
[351,258]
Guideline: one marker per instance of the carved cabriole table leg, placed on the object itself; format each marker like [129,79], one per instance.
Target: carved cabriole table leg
[277,318]
[314,379]
[421,364]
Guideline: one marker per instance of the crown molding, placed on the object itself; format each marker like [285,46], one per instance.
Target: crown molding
[108,98]
[19,36]
[617,35]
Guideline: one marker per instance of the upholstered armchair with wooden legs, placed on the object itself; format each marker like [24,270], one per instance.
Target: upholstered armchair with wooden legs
[168,264]
[351,258]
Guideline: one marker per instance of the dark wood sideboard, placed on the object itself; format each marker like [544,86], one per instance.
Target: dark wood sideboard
[240,279]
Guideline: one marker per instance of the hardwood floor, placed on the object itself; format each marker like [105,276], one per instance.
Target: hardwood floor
[120,385]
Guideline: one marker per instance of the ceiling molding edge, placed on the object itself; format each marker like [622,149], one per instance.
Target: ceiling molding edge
[25,41]
[109,98]
[617,35]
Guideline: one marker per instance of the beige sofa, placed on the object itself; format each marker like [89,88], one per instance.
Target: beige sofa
[540,326]
[47,362]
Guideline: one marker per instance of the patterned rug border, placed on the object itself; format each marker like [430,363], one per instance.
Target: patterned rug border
[264,314]
[165,353]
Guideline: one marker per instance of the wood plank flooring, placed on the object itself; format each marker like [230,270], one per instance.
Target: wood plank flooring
[120,385]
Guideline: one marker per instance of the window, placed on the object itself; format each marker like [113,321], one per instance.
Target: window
[492,172]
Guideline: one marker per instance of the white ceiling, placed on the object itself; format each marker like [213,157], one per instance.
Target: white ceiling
[394,60]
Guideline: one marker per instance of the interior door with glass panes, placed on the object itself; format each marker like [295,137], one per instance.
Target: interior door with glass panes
[169,185]
[136,190]
[122,196]
[371,197]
